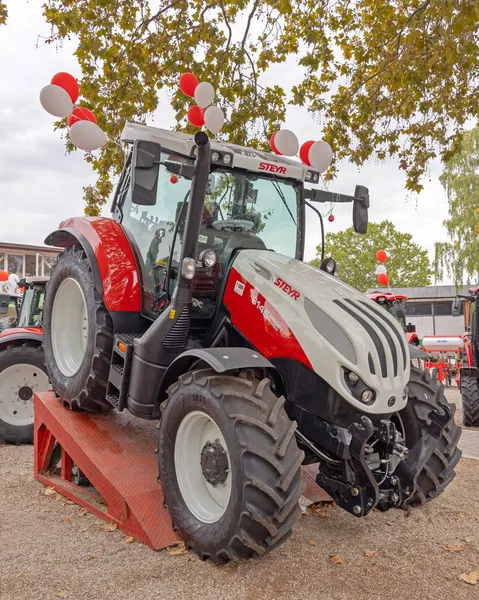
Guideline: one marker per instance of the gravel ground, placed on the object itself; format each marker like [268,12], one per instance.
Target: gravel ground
[50,549]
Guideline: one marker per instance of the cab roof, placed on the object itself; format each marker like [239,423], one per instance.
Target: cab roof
[385,296]
[242,157]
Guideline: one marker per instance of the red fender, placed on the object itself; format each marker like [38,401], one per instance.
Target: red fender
[468,348]
[118,274]
[20,334]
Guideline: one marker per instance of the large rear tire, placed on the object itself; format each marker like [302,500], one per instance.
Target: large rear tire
[424,396]
[22,374]
[229,464]
[78,334]
[470,401]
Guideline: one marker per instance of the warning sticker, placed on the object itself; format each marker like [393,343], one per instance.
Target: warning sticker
[239,288]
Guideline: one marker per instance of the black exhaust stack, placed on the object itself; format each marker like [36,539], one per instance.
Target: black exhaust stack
[169,334]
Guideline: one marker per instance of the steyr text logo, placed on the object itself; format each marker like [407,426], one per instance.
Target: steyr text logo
[287,289]
[272,168]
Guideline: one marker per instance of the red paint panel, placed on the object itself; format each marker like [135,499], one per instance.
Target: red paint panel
[468,348]
[260,322]
[121,283]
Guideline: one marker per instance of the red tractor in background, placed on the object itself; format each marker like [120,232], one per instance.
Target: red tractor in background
[22,365]
[469,371]
[394,304]
[192,306]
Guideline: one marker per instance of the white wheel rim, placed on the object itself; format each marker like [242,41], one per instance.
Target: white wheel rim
[206,502]
[18,384]
[69,327]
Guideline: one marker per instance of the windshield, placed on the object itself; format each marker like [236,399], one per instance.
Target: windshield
[398,312]
[32,307]
[10,318]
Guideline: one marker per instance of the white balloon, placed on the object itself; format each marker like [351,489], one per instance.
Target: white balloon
[381,269]
[56,101]
[204,94]
[320,156]
[214,118]
[87,136]
[286,143]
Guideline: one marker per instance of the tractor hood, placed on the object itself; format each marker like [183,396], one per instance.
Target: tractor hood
[330,326]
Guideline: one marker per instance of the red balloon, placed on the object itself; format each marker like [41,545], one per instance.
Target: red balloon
[188,83]
[3,276]
[272,144]
[331,218]
[383,279]
[174,179]
[196,116]
[81,114]
[68,83]
[304,152]
[381,256]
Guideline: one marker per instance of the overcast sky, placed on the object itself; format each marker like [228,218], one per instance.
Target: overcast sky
[40,185]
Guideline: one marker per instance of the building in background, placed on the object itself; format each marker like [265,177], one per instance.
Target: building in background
[27,261]
[430,309]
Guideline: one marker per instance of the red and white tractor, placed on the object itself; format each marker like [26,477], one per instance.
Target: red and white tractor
[22,366]
[395,305]
[192,305]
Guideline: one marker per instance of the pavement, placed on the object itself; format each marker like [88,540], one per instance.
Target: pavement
[51,549]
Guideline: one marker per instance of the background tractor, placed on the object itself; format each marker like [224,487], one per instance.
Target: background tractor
[395,305]
[192,305]
[469,373]
[22,368]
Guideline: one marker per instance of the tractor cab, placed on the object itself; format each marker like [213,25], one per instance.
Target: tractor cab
[394,304]
[23,310]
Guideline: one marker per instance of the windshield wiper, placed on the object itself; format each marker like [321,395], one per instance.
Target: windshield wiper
[282,196]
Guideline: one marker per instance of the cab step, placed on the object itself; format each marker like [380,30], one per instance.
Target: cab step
[120,366]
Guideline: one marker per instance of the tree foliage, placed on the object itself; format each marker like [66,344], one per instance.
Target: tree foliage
[392,78]
[3,13]
[407,263]
[459,258]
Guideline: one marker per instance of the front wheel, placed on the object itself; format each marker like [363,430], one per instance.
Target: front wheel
[470,401]
[425,395]
[229,464]
[22,374]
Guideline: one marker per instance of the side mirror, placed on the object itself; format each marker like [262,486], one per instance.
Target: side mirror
[4,302]
[457,307]
[360,209]
[144,172]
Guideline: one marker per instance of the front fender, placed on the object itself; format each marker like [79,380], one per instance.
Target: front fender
[111,258]
[219,359]
[20,334]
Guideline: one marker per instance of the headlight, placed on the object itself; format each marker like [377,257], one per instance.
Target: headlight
[215,156]
[208,258]
[367,397]
[188,268]
[328,265]
[227,159]
[358,388]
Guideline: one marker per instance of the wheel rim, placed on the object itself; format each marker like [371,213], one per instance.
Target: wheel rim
[69,327]
[18,384]
[201,452]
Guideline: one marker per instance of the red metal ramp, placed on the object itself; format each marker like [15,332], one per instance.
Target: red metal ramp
[115,452]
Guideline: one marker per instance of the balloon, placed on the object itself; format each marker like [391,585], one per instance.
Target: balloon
[188,83]
[68,83]
[383,279]
[56,101]
[381,269]
[286,142]
[87,136]
[13,279]
[272,144]
[304,152]
[174,179]
[214,118]
[196,116]
[3,276]
[331,218]
[381,256]
[320,155]
[81,114]
[204,94]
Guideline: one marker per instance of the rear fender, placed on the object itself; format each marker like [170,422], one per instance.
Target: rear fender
[111,258]
[220,360]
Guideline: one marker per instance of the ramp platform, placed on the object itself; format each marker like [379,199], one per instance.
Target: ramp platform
[106,463]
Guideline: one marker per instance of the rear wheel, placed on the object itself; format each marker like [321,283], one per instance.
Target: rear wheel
[229,464]
[78,334]
[424,396]
[470,401]
[22,374]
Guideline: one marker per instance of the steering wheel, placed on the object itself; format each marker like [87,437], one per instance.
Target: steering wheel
[233,225]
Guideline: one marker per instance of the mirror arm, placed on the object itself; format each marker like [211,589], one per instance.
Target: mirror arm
[322,226]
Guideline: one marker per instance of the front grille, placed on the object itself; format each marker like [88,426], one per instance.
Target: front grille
[368,316]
